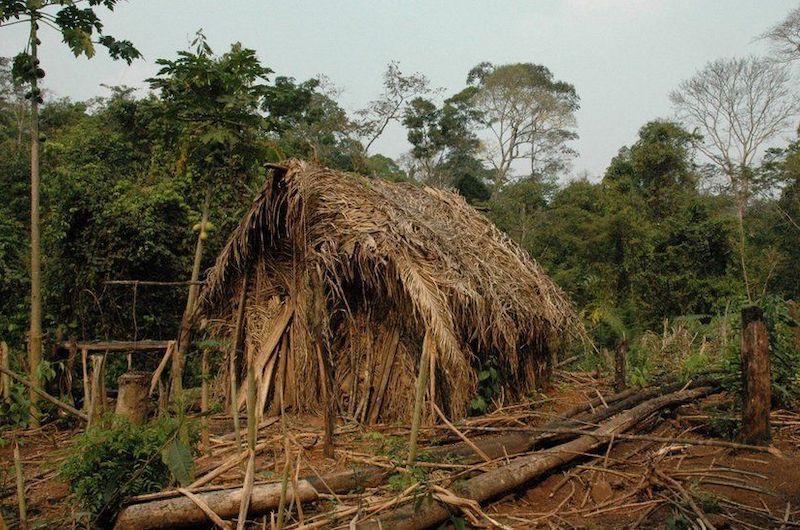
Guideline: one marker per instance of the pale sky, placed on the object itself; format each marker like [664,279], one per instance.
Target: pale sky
[623,56]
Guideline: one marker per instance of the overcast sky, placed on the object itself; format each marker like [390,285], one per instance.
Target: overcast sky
[623,56]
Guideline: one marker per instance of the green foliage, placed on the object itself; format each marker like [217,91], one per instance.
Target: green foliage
[489,384]
[401,481]
[116,459]
[784,351]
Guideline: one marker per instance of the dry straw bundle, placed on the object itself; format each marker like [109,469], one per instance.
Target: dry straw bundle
[345,277]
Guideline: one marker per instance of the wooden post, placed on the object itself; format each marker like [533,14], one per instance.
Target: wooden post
[5,362]
[419,398]
[87,396]
[756,381]
[330,405]
[620,356]
[23,509]
[97,401]
[204,435]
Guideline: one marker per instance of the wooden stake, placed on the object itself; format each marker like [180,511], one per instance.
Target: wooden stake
[756,382]
[419,398]
[329,412]
[23,509]
[5,362]
[284,477]
[204,435]
[97,402]
[87,396]
[620,356]
[232,368]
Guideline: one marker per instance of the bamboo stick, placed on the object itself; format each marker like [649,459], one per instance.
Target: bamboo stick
[204,434]
[419,398]
[21,504]
[237,337]
[87,396]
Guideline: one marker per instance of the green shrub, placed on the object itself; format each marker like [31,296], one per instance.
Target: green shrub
[116,459]
[783,351]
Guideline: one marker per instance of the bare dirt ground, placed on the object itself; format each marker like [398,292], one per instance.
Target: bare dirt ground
[627,484]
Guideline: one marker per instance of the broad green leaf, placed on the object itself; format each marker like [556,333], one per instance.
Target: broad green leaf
[178,458]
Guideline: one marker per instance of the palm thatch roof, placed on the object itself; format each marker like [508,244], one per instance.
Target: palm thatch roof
[351,274]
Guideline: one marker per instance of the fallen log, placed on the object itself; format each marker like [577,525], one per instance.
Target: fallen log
[179,512]
[521,470]
[182,511]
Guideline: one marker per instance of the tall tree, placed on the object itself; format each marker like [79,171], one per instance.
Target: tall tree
[738,105]
[528,113]
[443,141]
[77,26]
[785,36]
[398,90]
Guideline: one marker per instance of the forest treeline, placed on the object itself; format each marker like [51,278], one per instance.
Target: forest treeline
[667,231]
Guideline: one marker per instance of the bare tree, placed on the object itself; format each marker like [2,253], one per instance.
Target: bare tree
[527,113]
[737,105]
[785,36]
[398,90]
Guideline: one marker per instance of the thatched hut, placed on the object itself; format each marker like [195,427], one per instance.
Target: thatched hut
[348,277]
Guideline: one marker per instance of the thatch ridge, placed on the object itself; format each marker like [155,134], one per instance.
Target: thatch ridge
[432,256]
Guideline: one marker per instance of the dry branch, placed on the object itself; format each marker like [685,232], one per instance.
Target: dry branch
[58,403]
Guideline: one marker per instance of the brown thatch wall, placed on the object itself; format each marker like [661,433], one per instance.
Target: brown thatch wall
[365,269]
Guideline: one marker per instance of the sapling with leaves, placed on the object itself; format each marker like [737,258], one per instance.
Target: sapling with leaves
[216,99]
[81,29]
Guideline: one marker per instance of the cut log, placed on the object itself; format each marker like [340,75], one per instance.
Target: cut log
[524,469]
[181,512]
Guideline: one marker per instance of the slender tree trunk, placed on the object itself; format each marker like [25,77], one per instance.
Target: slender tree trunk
[742,247]
[191,300]
[35,344]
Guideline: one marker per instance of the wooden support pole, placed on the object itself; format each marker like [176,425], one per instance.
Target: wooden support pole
[97,403]
[238,334]
[756,381]
[620,358]
[5,362]
[87,396]
[21,501]
[419,398]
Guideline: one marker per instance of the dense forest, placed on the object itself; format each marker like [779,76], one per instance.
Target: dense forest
[686,224]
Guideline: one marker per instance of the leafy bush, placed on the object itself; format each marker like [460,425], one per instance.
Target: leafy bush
[15,412]
[116,459]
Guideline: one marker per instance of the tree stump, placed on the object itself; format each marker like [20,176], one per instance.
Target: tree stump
[132,400]
[756,382]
